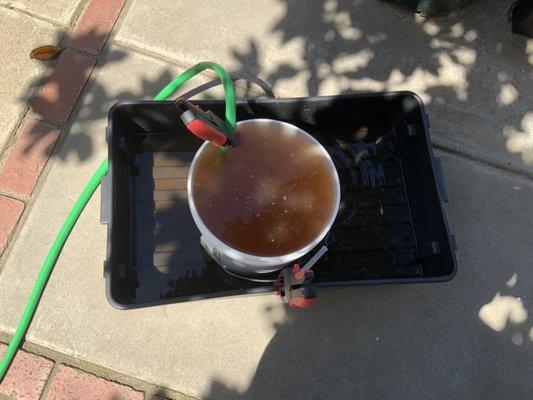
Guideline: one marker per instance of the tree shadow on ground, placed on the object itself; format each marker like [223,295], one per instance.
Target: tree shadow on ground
[391,342]
[92,104]
[468,65]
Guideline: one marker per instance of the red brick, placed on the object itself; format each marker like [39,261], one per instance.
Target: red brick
[63,87]
[27,376]
[10,212]
[71,383]
[95,24]
[27,157]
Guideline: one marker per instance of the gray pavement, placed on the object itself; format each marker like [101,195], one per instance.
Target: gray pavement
[470,338]
[59,12]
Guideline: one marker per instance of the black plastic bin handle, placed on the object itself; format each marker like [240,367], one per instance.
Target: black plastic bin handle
[440,180]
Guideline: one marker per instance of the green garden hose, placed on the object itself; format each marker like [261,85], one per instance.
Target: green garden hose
[96,179]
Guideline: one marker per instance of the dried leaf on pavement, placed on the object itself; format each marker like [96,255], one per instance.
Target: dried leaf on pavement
[45,53]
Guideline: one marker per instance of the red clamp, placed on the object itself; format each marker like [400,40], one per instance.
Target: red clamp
[204,124]
[293,286]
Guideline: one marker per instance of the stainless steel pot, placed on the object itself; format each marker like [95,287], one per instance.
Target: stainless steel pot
[245,264]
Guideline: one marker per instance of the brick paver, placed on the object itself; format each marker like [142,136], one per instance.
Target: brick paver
[71,383]
[10,212]
[27,376]
[61,90]
[95,24]
[27,157]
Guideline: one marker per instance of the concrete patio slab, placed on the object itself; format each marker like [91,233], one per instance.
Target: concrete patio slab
[471,71]
[463,339]
[58,11]
[17,72]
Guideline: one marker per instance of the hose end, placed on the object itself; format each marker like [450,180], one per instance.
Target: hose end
[204,124]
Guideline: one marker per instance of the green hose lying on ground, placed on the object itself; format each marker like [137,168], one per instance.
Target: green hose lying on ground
[64,232]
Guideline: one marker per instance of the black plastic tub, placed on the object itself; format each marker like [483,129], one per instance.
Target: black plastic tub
[391,227]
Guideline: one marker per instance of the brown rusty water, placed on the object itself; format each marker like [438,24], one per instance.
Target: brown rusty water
[270,195]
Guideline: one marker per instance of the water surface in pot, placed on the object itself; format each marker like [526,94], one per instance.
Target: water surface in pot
[270,195]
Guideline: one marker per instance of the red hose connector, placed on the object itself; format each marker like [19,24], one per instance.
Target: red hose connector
[204,124]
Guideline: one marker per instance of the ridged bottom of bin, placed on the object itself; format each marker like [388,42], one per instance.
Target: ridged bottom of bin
[372,238]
